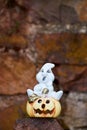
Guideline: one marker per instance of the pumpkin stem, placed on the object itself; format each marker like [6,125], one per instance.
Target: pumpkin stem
[33,98]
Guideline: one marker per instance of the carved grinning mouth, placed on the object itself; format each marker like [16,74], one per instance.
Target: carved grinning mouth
[43,112]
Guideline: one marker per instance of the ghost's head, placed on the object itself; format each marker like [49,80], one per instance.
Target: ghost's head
[45,74]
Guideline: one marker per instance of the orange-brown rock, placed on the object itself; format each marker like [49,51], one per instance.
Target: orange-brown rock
[62,48]
[12,18]
[68,49]
[71,77]
[9,115]
[16,74]
[82,9]
[5,21]
[67,73]
[77,84]
[13,41]
[18,14]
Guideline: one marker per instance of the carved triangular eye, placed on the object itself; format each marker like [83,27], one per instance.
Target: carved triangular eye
[39,101]
[47,101]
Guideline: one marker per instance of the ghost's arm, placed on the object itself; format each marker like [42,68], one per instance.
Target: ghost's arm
[59,94]
[50,88]
[56,95]
[38,88]
[29,92]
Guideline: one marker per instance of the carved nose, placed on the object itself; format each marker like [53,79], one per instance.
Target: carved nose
[43,106]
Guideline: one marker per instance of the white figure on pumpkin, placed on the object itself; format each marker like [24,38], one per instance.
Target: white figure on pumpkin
[45,77]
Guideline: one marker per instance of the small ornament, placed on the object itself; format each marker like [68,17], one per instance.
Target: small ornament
[43,101]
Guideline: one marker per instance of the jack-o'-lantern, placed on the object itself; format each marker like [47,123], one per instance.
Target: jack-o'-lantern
[43,107]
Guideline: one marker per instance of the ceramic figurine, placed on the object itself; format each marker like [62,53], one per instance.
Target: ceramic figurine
[43,100]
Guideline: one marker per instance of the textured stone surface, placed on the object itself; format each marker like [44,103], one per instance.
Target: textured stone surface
[75,112]
[66,11]
[18,69]
[16,74]
[62,48]
[78,84]
[11,19]
[9,115]
[57,48]
[40,13]
[7,101]
[33,32]
[82,9]
[37,124]
[72,77]
[14,41]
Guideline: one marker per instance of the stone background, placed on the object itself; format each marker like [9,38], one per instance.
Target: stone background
[33,32]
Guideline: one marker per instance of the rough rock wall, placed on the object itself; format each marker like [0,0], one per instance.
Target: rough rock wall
[33,32]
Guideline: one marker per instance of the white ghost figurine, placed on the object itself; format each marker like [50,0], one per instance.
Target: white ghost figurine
[45,78]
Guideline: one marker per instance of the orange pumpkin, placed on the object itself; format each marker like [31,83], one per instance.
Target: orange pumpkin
[44,107]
